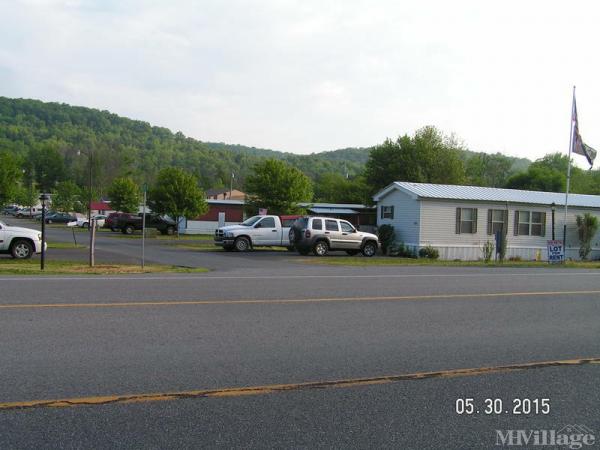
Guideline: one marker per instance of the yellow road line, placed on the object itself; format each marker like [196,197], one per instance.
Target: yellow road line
[298,300]
[275,388]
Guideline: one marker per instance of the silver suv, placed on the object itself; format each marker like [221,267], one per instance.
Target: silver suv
[321,234]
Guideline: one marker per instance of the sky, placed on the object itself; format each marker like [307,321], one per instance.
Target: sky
[308,76]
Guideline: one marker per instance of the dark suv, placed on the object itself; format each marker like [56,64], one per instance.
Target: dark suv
[321,234]
[127,223]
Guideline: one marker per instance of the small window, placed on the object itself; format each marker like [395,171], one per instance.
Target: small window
[537,224]
[387,212]
[346,227]
[524,217]
[331,225]
[317,224]
[466,220]
[267,222]
[497,221]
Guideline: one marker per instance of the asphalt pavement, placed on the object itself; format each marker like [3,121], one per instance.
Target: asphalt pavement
[269,351]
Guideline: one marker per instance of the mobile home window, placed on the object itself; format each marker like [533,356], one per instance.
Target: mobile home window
[530,223]
[537,224]
[523,226]
[466,220]
[497,221]
[387,212]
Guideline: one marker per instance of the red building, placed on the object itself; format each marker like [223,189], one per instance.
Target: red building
[233,209]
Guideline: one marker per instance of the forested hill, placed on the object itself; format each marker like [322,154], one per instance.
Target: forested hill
[122,146]
[53,139]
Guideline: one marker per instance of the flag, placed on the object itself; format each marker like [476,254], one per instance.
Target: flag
[579,146]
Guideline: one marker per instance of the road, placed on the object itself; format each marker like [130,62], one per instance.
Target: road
[281,354]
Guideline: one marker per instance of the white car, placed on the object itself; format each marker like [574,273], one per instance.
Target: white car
[82,221]
[20,242]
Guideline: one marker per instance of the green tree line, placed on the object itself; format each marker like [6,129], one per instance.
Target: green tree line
[54,147]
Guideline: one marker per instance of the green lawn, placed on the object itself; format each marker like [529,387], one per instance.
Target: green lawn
[393,261]
[32,267]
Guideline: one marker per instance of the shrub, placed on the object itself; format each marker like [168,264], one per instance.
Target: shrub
[587,225]
[386,235]
[488,251]
[429,252]
[401,250]
[515,258]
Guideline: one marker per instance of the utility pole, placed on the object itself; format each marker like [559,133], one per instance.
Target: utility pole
[144,226]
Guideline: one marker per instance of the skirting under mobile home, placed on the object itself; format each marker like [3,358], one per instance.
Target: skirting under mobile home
[459,220]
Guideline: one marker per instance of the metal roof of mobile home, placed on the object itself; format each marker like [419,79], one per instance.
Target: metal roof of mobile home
[477,193]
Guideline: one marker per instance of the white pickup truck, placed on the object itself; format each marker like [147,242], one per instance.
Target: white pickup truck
[257,231]
[21,243]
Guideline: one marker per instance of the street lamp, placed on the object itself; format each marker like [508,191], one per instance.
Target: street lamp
[90,224]
[553,206]
[43,199]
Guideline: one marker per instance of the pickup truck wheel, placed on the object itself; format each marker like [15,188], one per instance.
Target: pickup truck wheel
[21,249]
[352,252]
[128,229]
[369,249]
[113,229]
[320,248]
[242,244]
[170,231]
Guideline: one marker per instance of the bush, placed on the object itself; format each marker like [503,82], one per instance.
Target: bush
[386,235]
[515,258]
[401,250]
[587,225]
[429,252]
[488,251]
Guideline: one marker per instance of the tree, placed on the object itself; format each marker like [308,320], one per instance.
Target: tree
[538,178]
[66,196]
[124,195]
[10,175]
[48,165]
[335,188]
[488,170]
[427,157]
[176,194]
[278,187]
[587,226]
[27,195]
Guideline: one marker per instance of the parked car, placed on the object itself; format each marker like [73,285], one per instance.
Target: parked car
[60,217]
[322,234]
[271,231]
[27,212]
[10,209]
[128,223]
[20,242]
[111,221]
[83,222]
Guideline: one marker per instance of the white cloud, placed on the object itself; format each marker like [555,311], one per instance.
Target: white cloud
[308,76]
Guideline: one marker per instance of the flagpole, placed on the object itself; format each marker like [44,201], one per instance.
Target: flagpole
[568,177]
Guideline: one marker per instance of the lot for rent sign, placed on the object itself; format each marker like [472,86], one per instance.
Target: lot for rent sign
[556,252]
